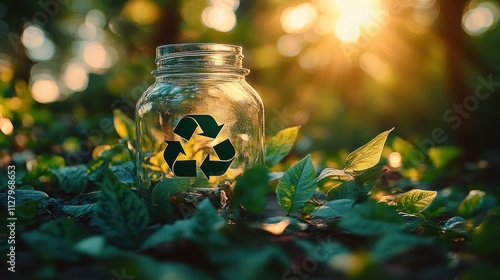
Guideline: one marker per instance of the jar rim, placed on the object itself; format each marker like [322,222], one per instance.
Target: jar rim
[199,58]
[172,49]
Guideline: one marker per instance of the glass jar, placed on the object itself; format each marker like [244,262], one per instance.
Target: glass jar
[200,119]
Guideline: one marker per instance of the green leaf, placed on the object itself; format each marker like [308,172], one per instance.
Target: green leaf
[23,196]
[126,265]
[484,239]
[311,205]
[415,201]
[370,218]
[297,185]
[72,179]
[97,168]
[348,190]
[78,210]
[124,126]
[173,185]
[411,156]
[250,263]
[120,214]
[345,190]
[370,176]
[27,210]
[86,198]
[205,221]
[202,226]
[57,239]
[43,167]
[51,247]
[471,204]
[124,172]
[392,245]
[91,246]
[160,196]
[280,145]
[412,222]
[118,153]
[133,266]
[168,233]
[68,229]
[442,156]
[367,155]
[251,189]
[332,172]
[275,175]
[333,209]
[456,224]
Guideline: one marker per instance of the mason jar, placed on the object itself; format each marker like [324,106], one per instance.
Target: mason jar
[200,119]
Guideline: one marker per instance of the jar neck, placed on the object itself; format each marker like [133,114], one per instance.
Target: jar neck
[199,58]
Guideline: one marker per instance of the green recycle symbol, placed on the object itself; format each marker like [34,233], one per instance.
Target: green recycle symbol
[187,168]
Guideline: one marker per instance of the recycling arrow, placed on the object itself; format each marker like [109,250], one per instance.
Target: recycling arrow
[188,124]
[214,167]
[172,151]
[183,168]
[185,129]
[225,151]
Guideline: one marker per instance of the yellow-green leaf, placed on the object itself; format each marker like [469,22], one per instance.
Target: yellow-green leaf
[124,126]
[367,155]
[280,145]
[471,204]
[415,201]
[443,155]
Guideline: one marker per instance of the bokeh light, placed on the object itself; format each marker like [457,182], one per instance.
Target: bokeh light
[480,19]
[289,45]
[95,18]
[40,48]
[220,16]
[232,4]
[142,12]
[425,15]
[32,37]
[95,55]
[394,160]
[310,60]
[42,53]
[45,90]
[15,103]
[297,19]
[75,76]
[6,126]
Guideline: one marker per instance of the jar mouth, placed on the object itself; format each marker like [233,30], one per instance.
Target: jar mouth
[172,49]
[199,58]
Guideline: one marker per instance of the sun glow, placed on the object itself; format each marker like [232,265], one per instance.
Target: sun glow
[297,19]
[344,19]
[353,16]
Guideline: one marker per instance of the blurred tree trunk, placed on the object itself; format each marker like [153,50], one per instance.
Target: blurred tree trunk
[454,40]
[167,28]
